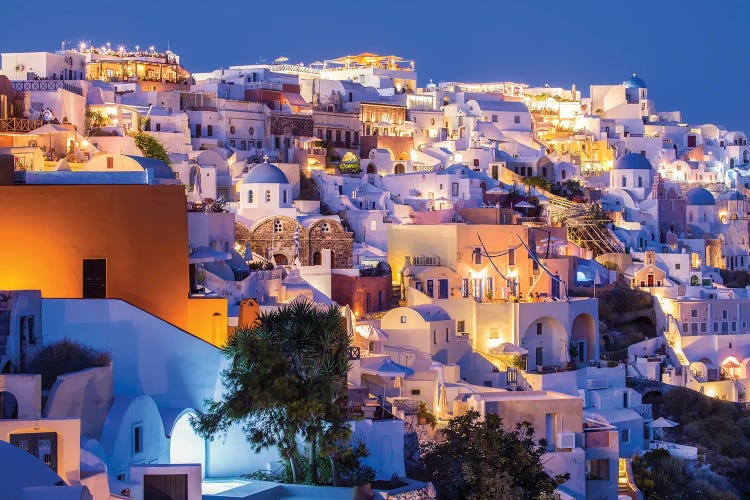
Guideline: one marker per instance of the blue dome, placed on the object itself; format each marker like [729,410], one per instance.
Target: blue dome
[634,83]
[633,161]
[265,173]
[700,196]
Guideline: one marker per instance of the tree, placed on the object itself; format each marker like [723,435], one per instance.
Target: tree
[151,147]
[287,379]
[479,459]
[65,356]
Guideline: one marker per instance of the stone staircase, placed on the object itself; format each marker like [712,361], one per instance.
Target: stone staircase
[625,482]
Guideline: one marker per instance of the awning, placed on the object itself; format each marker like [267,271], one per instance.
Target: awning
[296,99]
[387,368]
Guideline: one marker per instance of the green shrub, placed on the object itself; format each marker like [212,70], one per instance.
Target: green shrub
[65,356]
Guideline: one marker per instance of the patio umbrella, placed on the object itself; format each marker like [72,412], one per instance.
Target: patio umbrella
[523,204]
[443,400]
[398,382]
[730,364]
[508,348]
[497,190]
[662,423]
[385,367]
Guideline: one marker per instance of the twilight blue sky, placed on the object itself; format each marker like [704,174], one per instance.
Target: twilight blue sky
[692,54]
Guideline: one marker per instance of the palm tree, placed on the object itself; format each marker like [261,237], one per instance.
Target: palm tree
[287,379]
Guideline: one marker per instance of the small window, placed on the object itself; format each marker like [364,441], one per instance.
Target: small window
[232,130]
[676,266]
[477,255]
[110,162]
[251,131]
[415,392]
[250,196]
[539,327]
[285,196]
[461,326]
[268,196]
[447,335]
[278,226]
[137,439]
[403,319]
[434,336]
[517,119]
[693,313]
[210,130]
[625,436]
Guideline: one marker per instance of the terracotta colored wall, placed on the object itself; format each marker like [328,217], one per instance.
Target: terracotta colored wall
[140,230]
[353,290]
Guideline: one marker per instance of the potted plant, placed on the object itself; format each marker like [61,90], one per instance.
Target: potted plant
[424,416]
[573,351]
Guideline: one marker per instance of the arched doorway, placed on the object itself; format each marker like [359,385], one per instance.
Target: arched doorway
[399,168]
[731,367]
[317,259]
[185,446]
[8,406]
[280,259]
[371,168]
[546,340]
[583,338]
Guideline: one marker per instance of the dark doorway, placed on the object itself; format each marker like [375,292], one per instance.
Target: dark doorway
[165,487]
[94,278]
[42,445]
[8,406]
[540,356]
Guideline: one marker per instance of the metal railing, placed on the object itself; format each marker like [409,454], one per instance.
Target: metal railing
[45,86]
[19,124]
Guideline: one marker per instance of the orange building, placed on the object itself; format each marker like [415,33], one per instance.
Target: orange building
[127,242]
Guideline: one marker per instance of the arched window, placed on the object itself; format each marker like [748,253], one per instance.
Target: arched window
[317,259]
[285,196]
[277,226]
[231,130]
[399,169]
[251,131]
[250,196]
[268,196]
[8,405]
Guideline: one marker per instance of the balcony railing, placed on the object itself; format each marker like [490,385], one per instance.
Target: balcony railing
[19,124]
[45,86]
